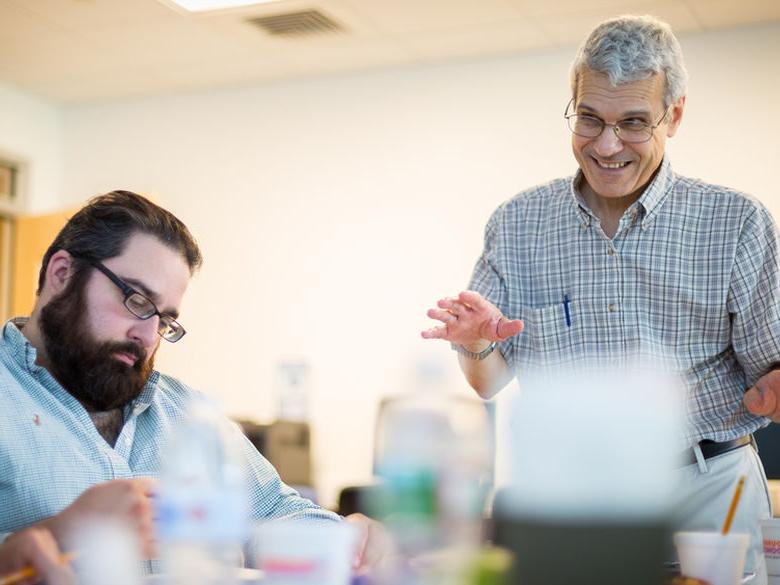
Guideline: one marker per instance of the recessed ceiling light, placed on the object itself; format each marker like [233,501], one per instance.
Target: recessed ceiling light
[206,5]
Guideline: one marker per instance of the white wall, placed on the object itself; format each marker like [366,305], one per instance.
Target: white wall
[31,132]
[334,211]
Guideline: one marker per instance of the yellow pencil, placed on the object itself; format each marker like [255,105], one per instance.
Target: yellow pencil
[30,572]
[734,503]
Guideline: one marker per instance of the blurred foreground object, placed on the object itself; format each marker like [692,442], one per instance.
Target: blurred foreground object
[433,459]
[108,552]
[202,511]
[714,557]
[593,501]
[304,552]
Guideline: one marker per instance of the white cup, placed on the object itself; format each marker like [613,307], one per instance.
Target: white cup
[770,530]
[716,558]
[304,552]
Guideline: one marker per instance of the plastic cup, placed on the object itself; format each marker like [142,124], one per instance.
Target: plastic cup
[716,558]
[770,530]
[304,552]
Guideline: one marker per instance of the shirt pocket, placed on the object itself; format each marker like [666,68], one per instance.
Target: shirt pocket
[552,335]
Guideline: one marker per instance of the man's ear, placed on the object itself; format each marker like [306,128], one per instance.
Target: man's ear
[675,116]
[58,272]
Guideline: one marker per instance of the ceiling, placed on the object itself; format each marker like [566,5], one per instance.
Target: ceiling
[87,50]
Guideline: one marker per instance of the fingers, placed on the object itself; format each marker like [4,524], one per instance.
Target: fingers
[48,562]
[445,317]
[142,513]
[453,306]
[374,543]
[447,314]
[35,547]
[468,319]
[359,522]
[506,328]
[126,500]
[435,333]
[473,299]
[763,399]
[760,402]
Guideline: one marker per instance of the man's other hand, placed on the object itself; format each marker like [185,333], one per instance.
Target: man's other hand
[469,319]
[374,543]
[763,399]
[125,500]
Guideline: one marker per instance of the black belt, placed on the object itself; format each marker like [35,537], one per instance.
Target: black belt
[712,449]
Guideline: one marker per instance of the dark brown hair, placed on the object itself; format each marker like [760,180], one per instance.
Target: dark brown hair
[101,229]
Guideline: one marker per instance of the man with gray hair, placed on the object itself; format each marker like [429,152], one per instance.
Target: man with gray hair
[626,258]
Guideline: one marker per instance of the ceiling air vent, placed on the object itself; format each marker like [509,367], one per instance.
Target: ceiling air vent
[306,22]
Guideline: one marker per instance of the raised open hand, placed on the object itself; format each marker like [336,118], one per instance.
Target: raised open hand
[469,319]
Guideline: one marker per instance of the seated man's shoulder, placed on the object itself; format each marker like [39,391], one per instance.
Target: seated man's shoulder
[173,394]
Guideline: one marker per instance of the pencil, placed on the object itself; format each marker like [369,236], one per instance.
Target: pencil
[733,506]
[30,572]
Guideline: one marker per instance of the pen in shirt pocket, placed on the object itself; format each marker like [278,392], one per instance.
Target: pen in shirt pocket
[566,313]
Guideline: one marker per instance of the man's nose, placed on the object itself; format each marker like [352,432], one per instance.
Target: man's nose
[607,143]
[144,331]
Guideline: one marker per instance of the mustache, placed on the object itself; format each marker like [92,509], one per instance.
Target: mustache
[127,347]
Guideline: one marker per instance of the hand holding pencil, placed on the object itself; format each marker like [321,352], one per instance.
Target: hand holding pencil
[32,556]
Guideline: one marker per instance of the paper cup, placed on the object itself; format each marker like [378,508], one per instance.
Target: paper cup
[714,557]
[304,552]
[770,530]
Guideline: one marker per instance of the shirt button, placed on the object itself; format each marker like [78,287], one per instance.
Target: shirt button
[612,307]
[127,441]
[610,251]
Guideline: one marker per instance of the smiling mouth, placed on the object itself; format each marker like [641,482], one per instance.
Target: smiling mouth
[612,165]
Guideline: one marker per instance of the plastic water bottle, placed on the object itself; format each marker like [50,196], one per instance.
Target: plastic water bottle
[202,500]
[433,461]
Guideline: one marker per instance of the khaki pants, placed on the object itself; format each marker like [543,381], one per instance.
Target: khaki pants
[706,490]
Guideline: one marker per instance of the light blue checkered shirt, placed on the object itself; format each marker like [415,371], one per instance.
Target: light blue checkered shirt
[691,274]
[50,451]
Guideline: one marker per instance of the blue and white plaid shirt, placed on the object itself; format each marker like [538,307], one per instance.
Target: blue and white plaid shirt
[691,274]
[50,450]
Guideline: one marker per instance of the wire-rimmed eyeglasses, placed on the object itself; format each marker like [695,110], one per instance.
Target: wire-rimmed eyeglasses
[630,130]
[142,307]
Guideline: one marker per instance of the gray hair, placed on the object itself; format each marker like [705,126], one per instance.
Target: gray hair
[630,48]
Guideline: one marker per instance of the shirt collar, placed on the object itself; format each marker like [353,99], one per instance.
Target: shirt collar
[655,194]
[651,200]
[17,344]
[146,396]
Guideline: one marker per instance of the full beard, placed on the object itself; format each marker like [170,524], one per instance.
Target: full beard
[86,367]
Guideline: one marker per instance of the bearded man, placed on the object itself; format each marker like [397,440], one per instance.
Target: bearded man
[83,413]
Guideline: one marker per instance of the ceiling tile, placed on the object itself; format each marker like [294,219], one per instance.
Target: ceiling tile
[507,37]
[573,27]
[405,16]
[153,43]
[718,13]
[19,24]
[86,14]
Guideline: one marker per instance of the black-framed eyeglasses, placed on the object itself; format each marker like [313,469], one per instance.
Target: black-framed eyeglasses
[142,307]
[631,130]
